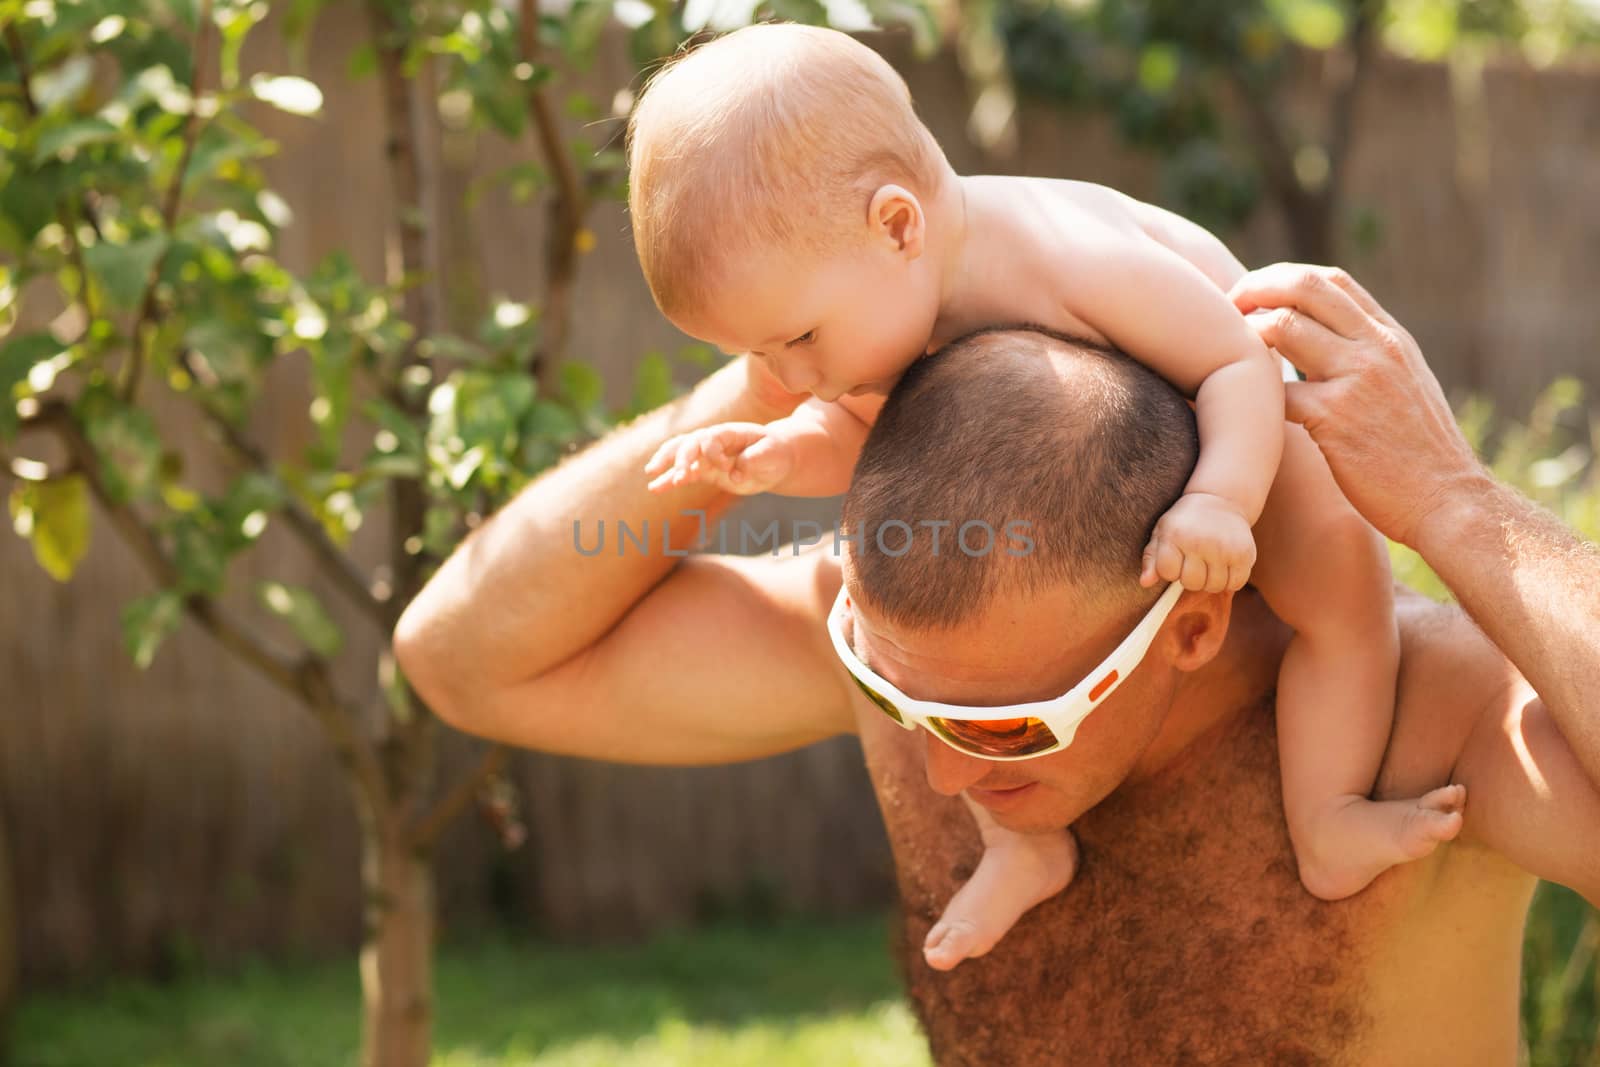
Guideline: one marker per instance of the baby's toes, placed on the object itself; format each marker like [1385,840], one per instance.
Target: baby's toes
[1426,828]
[1446,798]
[949,942]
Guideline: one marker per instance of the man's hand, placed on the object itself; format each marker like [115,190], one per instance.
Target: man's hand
[1370,403]
[739,457]
[1202,541]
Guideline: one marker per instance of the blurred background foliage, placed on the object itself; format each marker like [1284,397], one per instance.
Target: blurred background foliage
[146,308]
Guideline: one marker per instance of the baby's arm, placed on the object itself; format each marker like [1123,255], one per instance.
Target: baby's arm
[811,452]
[1167,313]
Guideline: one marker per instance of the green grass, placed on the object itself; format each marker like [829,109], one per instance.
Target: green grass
[791,995]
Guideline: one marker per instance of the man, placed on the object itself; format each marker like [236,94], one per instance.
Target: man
[1186,936]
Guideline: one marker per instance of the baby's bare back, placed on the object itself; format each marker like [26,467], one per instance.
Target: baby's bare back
[1037,244]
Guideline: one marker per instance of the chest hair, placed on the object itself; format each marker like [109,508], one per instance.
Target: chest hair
[1186,937]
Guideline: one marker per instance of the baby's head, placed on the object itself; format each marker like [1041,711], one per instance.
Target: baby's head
[779,179]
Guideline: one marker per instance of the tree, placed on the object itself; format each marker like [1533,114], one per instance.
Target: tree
[135,219]
[1200,84]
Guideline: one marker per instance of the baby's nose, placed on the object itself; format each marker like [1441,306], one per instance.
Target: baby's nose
[796,376]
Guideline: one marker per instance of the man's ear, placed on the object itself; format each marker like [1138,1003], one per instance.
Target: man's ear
[1199,625]
[895,215]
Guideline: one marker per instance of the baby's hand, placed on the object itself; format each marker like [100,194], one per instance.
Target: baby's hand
[1202,541]
[739,457]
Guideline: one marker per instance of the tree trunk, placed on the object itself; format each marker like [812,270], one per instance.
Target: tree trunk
[397,954]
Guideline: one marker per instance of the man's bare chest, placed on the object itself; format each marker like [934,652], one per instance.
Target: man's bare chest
[1186,937]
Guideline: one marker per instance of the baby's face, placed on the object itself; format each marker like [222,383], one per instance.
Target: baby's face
[845,323]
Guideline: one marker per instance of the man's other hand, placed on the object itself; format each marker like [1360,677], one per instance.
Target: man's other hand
[1370,401]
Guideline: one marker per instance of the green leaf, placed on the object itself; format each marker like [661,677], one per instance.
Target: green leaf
[584,23]
[652,383]
[123,269]
[199,552]
[73,135]
[18,356]
[582,385]
[363,62]
[28,200]
[127,443]
[54,516]
[147,622]
[305,616]
[812,12]
[552,421]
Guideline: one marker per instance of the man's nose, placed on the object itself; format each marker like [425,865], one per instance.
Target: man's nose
[949,772]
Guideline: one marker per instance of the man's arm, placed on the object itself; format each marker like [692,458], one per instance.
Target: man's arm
[1532,585]
[528,635]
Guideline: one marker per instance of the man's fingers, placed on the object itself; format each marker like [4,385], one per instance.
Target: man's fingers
[1306,403]
[1364,300]
[1301,339]
[1306,288]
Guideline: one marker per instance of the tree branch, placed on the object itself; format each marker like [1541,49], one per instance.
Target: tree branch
[307,678]
[19,56]
[138,355]
[425,834]
[408,503]
[339,567]
[567,210]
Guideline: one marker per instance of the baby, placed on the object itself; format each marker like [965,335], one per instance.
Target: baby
[788,204]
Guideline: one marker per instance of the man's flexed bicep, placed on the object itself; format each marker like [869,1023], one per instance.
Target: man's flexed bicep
[726,659]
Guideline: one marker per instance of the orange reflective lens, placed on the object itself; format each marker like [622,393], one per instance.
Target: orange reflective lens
[879,699]
[996,737]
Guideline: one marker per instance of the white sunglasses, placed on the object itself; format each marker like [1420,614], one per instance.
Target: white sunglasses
[1016,731]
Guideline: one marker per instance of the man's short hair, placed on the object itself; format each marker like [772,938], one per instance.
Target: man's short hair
[1004,427]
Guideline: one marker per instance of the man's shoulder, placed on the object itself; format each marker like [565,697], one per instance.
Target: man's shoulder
[1451,676]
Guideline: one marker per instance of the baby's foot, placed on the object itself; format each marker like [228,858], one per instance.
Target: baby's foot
[1010,879]
[1365,838]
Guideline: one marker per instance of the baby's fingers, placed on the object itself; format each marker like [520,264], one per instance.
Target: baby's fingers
[679,468]
[663,456]
[1162,562]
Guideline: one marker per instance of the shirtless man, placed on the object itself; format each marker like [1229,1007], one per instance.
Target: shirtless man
[1187,936]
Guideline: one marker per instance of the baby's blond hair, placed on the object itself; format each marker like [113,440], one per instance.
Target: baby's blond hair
[773,136]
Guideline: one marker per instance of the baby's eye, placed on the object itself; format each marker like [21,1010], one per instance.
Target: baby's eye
[804,339]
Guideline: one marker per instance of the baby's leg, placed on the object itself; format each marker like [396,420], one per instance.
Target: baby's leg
[1015,872]
[1325,572]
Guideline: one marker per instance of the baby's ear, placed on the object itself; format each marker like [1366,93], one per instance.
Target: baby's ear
[895,215]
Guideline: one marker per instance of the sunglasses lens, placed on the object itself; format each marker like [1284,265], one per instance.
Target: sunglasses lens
[879,699]
[996,737]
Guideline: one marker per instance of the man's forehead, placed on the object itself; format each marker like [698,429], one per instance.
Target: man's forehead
[1015,639]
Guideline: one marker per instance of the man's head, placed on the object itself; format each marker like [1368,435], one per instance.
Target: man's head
[1069,453]
[778,177]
